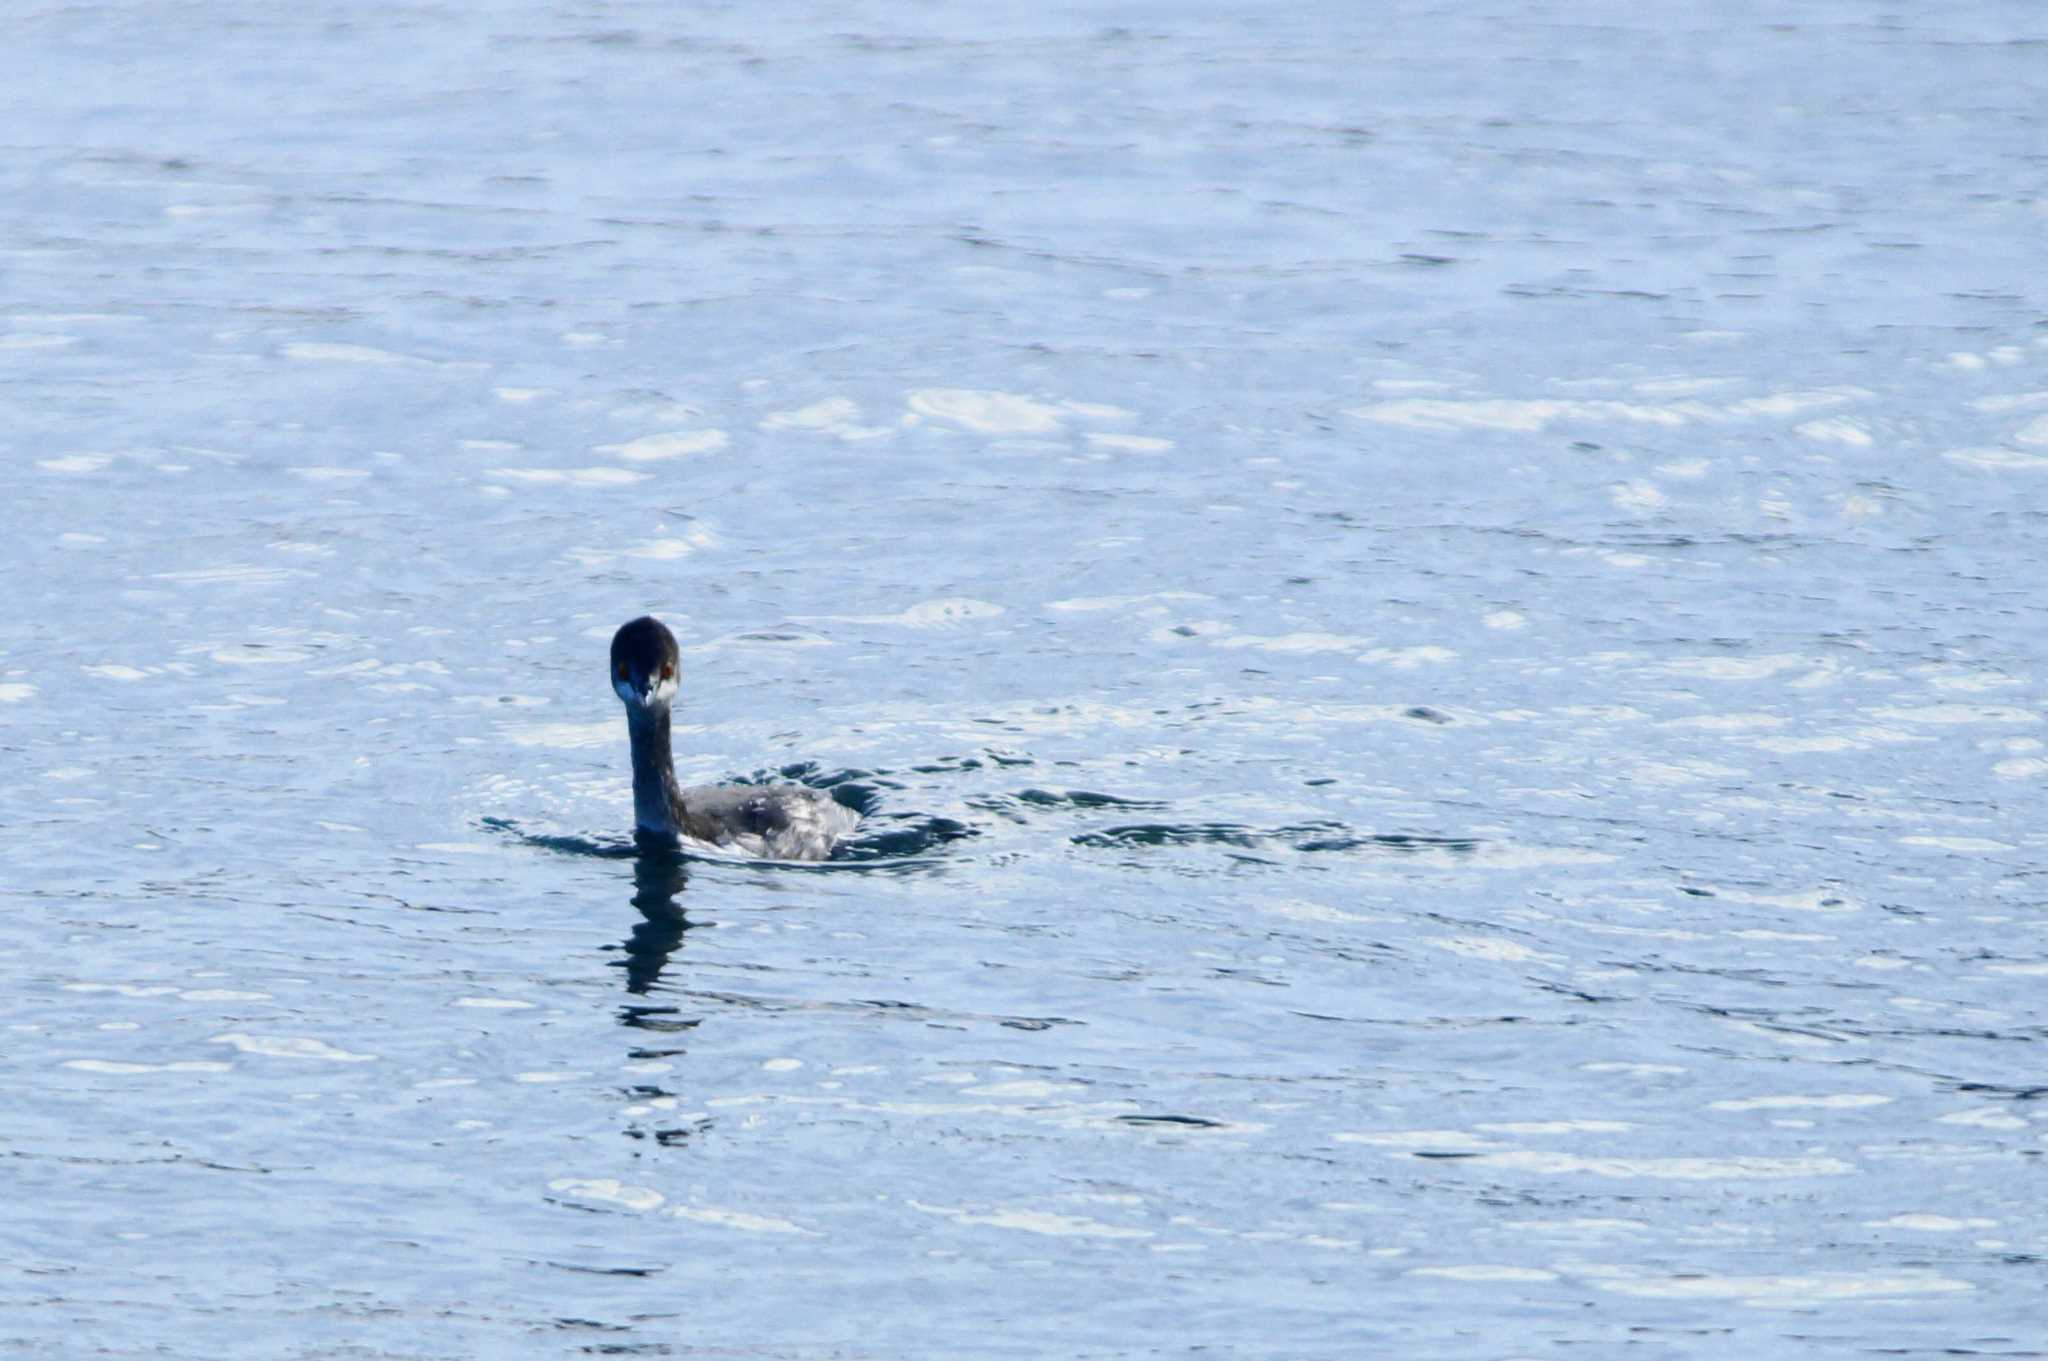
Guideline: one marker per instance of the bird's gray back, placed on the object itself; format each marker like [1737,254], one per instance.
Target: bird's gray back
[779,822]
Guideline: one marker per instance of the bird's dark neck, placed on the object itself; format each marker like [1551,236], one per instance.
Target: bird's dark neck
[657,799]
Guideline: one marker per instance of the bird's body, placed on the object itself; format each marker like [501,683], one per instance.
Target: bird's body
[776,822]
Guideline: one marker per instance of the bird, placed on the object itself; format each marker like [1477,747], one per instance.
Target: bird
[773,822]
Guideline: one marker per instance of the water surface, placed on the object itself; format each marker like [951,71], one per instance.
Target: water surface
[1473,576]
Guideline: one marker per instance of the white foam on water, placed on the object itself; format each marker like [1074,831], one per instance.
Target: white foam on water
[1588,1227]
[1092,604]
[1837,431]
[1295,910]
[116,1066]
[1530,415]
[125,989]
[1998,460]
[571,477]
[1838,1101]
[1824,900]
[926,614]
[1795,746]
[674,444]
[986,413]
[1666,1169]
[1493,948]
[1930,1223]
[1957,713]
[1133,444]
[835,416]
[1965,844]
[1033,1221]
[1782,1292]
[1479,1271]
[1279,643]
[1735,668]
[291,1047]
[608,1191]
[1025,1088]
[2012,401]
[321,351]
[1726,722]
[74,463]
[234,574]
[570,736]
[742,1220]
[268,656]
[669,548]
[1504,855]
[1404,658]
[1448,1139]
[1637,496]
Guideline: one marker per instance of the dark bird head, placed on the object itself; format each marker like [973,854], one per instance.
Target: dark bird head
[645,665]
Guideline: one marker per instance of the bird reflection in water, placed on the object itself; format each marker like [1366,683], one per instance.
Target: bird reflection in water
[658,879]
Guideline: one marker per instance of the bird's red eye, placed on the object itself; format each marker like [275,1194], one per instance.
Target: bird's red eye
[621,669]
[668,670]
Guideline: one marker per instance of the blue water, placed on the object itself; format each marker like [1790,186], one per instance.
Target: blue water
[1473,575]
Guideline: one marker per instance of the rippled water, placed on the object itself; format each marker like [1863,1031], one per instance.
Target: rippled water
[1472,575]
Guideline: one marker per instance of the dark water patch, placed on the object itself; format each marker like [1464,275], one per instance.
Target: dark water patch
[640,1271]
[2010,1093]
[1081,798]
[882,842]
[660,1020]
[897,841]
[1173,834]
[1310,837]
[605,848]
[1173,1121]
[1017,807]
[1575,994]
[891,1008]
[671,1136]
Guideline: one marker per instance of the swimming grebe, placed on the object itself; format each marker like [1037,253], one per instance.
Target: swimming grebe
[780,822]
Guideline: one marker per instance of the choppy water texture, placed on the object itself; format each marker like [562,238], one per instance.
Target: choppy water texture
[1473,572]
